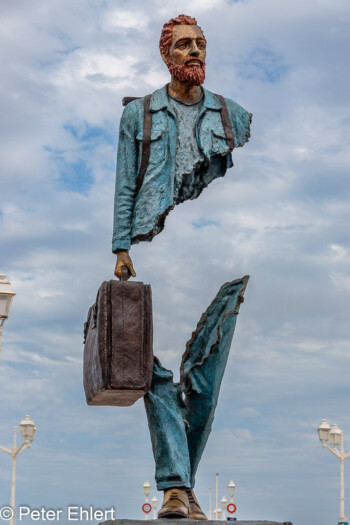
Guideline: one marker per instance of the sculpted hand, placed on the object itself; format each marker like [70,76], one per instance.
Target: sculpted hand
[123,259]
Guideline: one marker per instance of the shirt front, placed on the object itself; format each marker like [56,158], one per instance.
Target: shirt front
[139,217]
[188,157]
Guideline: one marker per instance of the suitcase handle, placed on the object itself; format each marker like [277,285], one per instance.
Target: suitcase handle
[124,273]
[92,311]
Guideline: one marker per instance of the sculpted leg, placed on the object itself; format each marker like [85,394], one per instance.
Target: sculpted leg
[204,363]
[165,414]
[180,429]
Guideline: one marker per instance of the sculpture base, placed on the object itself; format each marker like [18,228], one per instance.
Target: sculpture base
[190,522]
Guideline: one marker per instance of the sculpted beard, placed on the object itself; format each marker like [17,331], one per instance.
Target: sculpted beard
[191,75]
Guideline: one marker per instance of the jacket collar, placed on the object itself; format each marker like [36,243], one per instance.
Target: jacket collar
[160,100]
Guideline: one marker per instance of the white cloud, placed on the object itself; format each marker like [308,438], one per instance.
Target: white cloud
[192,8]
[281,214]
[117,18]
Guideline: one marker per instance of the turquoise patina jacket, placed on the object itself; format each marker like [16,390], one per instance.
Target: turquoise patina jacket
[141,217]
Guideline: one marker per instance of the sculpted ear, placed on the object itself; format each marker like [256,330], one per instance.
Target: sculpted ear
[162,54]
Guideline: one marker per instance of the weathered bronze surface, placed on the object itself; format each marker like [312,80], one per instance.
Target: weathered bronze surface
[124,261]
[150,179]
[196,512]
[186,59]
[118,356]
[175,504]
[172,144]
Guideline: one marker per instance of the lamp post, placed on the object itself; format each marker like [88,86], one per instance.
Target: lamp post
[6,298]
[231,487]
[146,491]
[336,438]
[223,506]
[209,504]
[231,507]
[28,430]
[219,514]
[217,510]
[154,502]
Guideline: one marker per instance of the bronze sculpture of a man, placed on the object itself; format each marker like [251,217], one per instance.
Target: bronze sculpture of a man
[193,132]
[172,144]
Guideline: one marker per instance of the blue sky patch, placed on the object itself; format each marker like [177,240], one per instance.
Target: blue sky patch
[73,166]
[263,64]
[86,133]
[76,176]
[74,173]
[203,223]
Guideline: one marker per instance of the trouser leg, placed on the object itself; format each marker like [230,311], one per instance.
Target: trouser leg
[179,431]
[165,414]
[203,366]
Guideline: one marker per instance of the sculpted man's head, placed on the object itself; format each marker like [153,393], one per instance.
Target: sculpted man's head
[183,48]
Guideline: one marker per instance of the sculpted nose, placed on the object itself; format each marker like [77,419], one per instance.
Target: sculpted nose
[194,52]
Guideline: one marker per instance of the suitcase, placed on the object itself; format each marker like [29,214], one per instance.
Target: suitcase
[118,355]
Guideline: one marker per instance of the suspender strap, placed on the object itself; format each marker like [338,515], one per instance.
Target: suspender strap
[146,142]
[126,101]
[147,127]
[225,119]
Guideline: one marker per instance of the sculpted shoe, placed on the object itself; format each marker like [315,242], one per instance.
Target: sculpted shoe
[196,512]
[175,504]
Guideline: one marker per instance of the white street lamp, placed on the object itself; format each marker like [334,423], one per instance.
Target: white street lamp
[146,491]
[154,502]
[217,512]
[223,506]
[231,487]
[335,437]
[6,298]
[324,430]
[28,430]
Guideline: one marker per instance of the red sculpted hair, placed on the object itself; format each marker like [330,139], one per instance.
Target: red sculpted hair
[166,36]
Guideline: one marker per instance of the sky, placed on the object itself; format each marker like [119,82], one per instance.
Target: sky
[281,215]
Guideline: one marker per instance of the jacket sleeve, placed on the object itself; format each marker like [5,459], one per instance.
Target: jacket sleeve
[125,185]
[240,121]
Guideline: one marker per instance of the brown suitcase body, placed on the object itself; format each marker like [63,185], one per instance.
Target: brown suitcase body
[118,355]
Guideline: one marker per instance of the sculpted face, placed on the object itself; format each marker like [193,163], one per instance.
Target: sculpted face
[187,53]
